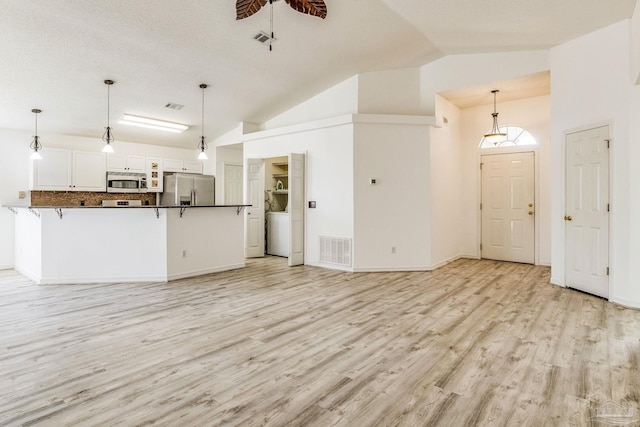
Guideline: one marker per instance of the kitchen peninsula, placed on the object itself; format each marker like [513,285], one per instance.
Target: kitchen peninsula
[95,244]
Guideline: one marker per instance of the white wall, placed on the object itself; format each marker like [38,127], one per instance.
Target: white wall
[14,166]
[390,92]
[591,85]
[634,159]
[14,170]
[532,114]
[337,100]
[394,212]
[328,176]
[445,186]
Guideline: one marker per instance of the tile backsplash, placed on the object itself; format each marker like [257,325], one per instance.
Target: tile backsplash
[74,198]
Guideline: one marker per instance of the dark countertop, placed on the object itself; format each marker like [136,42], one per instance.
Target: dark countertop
[122,207]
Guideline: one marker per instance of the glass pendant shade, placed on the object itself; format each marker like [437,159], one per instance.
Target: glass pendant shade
[495,136]
[203,149]
[36,145]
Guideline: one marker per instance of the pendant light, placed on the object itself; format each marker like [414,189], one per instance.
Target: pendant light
[495,136]
[107,137]
[202,146]
[36,146]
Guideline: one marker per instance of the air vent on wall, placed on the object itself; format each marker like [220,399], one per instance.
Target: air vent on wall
[174,106]
[263,38]
[335,250]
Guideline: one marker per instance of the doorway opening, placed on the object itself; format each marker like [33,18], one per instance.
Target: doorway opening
[274,224]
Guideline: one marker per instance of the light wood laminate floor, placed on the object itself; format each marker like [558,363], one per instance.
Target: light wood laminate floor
[473,343]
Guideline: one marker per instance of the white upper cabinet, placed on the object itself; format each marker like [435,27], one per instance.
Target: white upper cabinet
[126,163]
[189,166]
[68,170]
[53,171]
[89,173]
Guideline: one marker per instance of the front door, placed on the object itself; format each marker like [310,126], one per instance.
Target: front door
[508,207]
[586,215]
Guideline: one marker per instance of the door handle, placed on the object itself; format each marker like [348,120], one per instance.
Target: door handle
[567,218]
[530,212]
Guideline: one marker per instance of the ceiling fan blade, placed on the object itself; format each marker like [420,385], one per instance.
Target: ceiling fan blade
[310,7]
[246,8]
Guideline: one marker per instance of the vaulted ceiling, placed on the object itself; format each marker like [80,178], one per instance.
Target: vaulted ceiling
[56,54]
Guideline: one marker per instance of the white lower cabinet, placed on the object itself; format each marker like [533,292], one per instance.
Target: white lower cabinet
[68,170]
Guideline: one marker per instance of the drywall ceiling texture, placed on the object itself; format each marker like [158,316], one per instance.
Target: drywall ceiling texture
[57,54]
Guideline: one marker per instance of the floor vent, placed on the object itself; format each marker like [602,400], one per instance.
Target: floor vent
[335,250]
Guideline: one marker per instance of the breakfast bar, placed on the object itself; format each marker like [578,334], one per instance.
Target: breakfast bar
[98,244]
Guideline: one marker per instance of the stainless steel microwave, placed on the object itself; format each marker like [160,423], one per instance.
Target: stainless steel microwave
[126,182]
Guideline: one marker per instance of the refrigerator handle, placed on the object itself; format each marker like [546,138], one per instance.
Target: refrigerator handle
[194,198]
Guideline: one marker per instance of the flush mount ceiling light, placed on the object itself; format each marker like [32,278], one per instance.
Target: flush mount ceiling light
[202,146]
[145,122]
[36,146]
[495,136]
[246,8]
[107,137]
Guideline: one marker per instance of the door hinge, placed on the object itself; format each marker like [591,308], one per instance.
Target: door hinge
[607,271]
[608,207]
[480,206]
[481,165]
[480,246]
[608,141]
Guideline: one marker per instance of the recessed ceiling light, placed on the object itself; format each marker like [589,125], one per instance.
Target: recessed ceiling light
[145,122]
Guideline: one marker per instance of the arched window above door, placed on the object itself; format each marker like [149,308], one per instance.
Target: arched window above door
[516,136]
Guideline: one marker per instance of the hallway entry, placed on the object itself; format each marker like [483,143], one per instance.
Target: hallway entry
[508,207]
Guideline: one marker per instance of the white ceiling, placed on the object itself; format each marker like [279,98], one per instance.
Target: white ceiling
[56,54]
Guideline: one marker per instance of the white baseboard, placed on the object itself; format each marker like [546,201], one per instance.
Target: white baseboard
[625,303]
[202,272]
[390,269]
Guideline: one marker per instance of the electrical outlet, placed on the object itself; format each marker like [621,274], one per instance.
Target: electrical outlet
[22,194]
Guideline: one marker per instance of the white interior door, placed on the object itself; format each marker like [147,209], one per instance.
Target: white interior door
[296,209]
[232,184]
[254,215]
[587,216]
[508,207]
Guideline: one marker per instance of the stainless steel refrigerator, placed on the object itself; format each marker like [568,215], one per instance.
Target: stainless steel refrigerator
[187,189]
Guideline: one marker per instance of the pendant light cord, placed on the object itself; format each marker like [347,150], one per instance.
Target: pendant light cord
[108,105]
[271,25]
[203,111]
